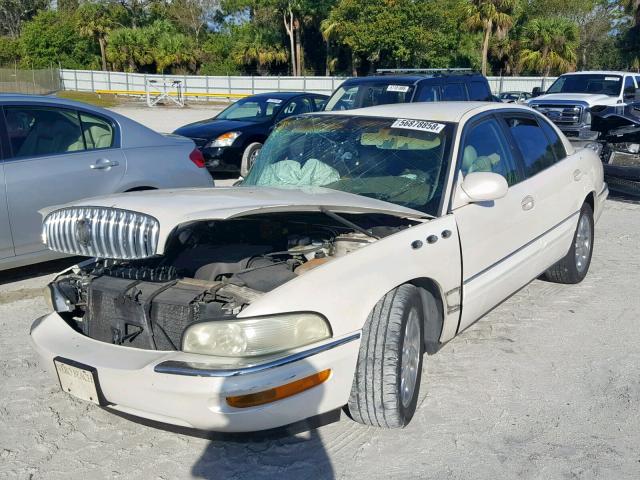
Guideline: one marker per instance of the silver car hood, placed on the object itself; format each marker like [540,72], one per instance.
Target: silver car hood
[174,207]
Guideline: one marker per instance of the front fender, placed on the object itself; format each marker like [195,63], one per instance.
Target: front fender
[346,289]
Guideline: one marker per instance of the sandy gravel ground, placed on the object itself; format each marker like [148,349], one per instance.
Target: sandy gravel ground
[544,387]
[166,120]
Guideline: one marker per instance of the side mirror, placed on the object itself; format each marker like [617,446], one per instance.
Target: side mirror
[484,186]
[536,92]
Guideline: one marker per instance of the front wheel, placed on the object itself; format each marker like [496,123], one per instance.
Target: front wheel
[249,157]
[575,264]
[387,380]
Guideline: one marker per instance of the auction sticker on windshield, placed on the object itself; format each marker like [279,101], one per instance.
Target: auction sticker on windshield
[421,125]
[398,88]
[274,100]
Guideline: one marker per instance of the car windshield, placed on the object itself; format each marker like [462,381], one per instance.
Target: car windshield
[252,109]
[397,160]
[348,97]
[587,83]
[509,96]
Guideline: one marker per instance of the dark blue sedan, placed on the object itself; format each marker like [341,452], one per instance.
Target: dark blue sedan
[231,140]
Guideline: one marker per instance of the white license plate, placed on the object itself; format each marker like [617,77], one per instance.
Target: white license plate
[78,381]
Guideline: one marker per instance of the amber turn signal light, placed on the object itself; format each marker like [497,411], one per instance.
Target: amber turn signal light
[278,393]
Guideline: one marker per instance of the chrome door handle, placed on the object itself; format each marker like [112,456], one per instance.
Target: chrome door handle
[527,203]
[577,175]
[103,164]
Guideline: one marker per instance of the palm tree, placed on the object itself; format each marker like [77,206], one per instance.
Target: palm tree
[96,21]
[490,17]
[549,44]
[632,7]
[253,47]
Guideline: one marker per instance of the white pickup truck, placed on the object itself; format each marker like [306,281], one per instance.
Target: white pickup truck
[569,100]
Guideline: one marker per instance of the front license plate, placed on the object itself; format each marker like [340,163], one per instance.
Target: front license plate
[79,380]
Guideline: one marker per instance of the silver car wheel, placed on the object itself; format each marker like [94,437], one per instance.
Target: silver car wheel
[410,358]
[583,244]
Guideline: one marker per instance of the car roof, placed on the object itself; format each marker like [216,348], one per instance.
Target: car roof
[409,78]
[47,99]
[433,111]
[600,72]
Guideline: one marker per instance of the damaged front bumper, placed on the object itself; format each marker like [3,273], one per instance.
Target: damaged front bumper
[190,390]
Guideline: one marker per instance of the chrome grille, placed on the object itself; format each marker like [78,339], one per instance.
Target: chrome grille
[561,114]
[101,232]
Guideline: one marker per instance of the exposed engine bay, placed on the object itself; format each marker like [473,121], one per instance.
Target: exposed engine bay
[210,270]
[619,128]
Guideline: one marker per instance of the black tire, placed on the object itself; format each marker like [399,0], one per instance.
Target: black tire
[376,397]
[573,268]
[248,157]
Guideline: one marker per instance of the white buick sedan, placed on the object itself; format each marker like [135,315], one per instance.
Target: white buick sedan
[359,241]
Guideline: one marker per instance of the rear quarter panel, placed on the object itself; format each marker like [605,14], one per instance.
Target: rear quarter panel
[163,166]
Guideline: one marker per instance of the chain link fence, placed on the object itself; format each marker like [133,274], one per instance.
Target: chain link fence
[41,81]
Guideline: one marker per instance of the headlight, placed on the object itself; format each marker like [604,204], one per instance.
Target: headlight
[224,140]
[595,146]
[255,336]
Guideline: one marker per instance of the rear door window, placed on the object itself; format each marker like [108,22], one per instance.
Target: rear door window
[428,93]
[454,92]
[37,131]
[297,106]
[319,103]
[535,149]
[556,143]
[98,133]
[479,91]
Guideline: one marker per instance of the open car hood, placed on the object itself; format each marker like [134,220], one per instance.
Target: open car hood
[174,207]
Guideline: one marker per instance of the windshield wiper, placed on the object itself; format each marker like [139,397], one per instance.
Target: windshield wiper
[348,223]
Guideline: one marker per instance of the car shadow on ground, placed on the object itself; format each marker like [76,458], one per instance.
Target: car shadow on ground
[37,270]
[624,198]
[295,451]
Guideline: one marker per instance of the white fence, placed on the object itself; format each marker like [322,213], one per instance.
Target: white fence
[201,86]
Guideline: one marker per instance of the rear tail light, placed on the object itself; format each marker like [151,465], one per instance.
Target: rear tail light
[196,157]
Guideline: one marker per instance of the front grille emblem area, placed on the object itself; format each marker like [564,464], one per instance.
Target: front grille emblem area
[101,232]
[83,232]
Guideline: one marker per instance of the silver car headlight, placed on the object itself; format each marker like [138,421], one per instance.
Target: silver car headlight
[595,146]
[255,336]
[224,140]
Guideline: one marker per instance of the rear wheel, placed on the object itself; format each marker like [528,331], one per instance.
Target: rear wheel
[575,264]
[249,157]
[387,380]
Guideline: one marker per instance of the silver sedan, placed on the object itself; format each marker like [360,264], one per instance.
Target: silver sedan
[54,151]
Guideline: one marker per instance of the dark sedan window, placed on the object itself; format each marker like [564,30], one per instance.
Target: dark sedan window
[297,106]
[36,131]
[320,102]
[252,109]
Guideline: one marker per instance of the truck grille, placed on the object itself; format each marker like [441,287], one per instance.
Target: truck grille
[561,114]
[101,232]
